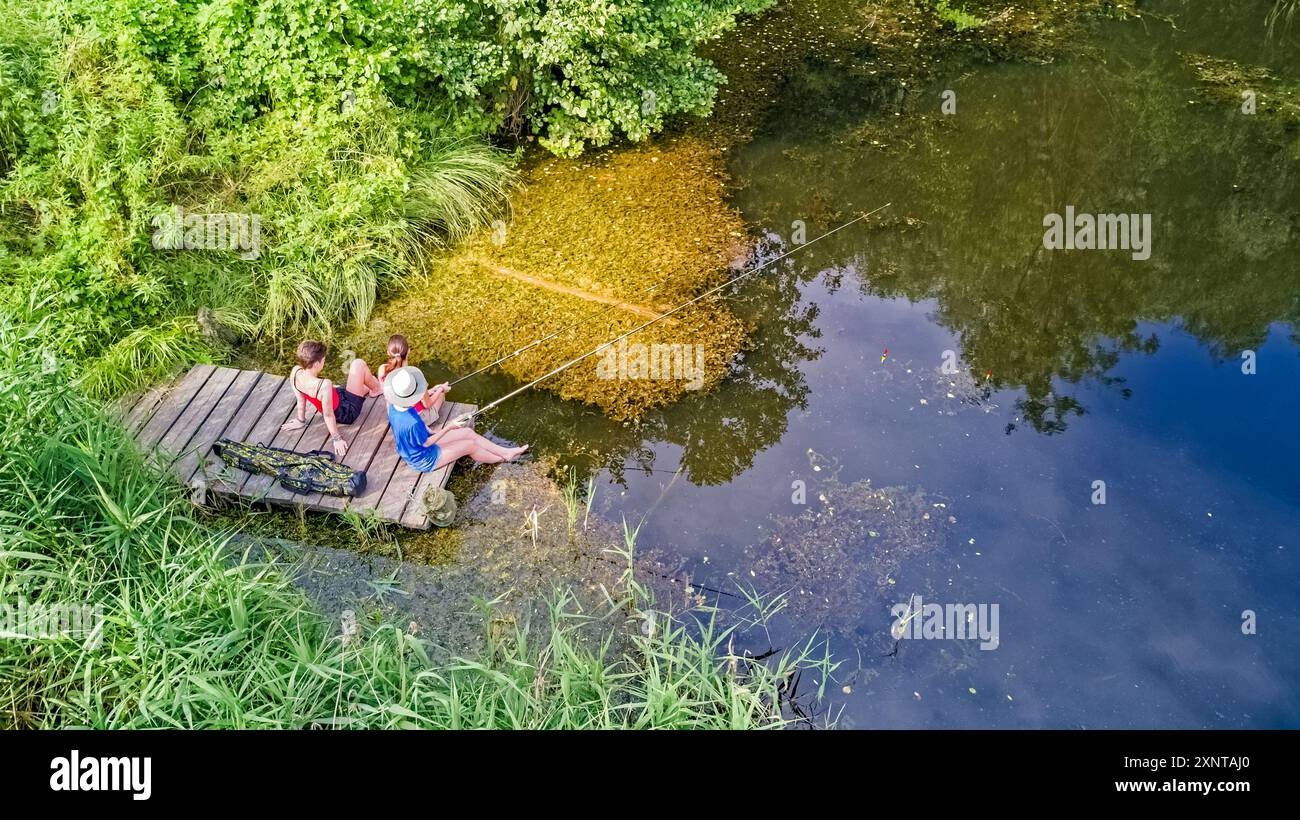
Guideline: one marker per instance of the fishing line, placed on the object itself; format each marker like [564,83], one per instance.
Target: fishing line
[584,320]
[636,468]
[485,408]
[688,582]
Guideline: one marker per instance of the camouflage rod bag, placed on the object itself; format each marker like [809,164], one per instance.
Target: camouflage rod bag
[314,472]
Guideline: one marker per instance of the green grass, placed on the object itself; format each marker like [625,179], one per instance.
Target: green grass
[456,191]
[144,355]
[199,635]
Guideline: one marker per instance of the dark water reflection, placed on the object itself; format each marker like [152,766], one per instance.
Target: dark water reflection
[1073,367]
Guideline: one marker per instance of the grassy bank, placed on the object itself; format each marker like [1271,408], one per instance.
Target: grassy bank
[198,634]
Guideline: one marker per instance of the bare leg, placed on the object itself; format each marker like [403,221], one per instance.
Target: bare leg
[361,382]
[509,453]
[458,449]
[461,442]
[465,434]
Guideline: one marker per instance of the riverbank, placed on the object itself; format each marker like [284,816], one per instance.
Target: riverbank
[183,624]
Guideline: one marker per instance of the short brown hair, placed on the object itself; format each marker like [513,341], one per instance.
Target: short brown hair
[310,352]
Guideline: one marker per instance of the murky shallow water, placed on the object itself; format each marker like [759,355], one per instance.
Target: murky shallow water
[1074,367]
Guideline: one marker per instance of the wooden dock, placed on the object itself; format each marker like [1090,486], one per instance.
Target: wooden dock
[176,426]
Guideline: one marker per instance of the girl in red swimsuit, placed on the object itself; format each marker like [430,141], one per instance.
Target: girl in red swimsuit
[345,403]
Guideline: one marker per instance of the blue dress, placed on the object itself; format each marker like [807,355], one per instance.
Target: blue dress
[409,434]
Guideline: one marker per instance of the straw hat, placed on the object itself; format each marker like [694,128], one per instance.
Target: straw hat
[405,386]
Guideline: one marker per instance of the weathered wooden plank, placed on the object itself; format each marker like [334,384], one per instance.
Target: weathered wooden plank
[123,406]
[192,417]
[361,455]
[360,449]
[226,409]
[379,473]
[411,493]
[256,430]
[143,408]
[272,392]
[171,408]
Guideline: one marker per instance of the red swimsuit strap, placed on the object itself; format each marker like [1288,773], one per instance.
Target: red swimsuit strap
[312,400]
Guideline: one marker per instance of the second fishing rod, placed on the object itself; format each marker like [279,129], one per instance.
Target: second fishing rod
[604,345]
[585,320]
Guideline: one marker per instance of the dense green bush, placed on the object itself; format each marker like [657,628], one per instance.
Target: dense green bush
[587,71]
[574,72]
[100,143]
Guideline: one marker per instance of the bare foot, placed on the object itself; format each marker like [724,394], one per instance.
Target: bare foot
[516,452]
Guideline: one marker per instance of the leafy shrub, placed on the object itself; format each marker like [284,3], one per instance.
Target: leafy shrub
[348,200]
[590,71]
[577,72]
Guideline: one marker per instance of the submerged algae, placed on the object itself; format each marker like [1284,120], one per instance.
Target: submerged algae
[594,248]
[1256,89]
[842,558]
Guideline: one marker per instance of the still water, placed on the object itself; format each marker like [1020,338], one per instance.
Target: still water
[1072,368]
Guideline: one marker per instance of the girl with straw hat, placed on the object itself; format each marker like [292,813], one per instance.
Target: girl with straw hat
[426,451]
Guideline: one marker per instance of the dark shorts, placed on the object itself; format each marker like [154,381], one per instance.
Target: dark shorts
[349,406]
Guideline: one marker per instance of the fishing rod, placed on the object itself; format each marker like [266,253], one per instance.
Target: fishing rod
[584,320]
[485,408]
